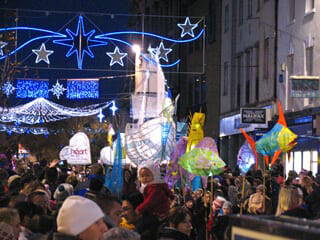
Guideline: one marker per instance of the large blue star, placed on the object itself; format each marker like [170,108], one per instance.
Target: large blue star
[80,42]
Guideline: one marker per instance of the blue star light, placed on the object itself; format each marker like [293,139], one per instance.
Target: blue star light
[113,108]
[80,42]
[2,45]
[57,89]
[116,56]
[187,27]
[100,115]
[8,88]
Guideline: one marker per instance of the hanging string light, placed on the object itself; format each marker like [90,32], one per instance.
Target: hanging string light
[42,110]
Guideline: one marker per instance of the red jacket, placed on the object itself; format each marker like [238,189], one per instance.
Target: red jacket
[156,199]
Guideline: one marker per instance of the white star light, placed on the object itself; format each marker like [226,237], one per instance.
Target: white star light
[116,56]
[2,45]
[57,89]
[187,27]
[8,88]
[42,54]
[113,108]
[100,115]
[162,52]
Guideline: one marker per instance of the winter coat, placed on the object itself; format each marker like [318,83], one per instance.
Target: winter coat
[172,234]
[62,236]
[156,199]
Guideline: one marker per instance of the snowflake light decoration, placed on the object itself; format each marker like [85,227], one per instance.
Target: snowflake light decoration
[57,89]
[8,88]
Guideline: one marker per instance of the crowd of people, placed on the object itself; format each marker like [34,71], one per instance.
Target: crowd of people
[49,200]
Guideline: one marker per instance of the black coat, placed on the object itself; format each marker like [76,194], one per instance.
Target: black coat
[172,234]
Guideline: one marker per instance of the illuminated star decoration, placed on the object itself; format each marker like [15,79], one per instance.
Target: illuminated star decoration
[80,42]
[113,108]
[187,28]
[2,45]
[116,56]
[57,89]
[100,115]
[42,54]
[8,88]
[162,52]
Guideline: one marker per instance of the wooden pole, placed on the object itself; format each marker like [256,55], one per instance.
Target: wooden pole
[242,194]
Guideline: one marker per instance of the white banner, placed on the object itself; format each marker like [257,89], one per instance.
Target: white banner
[78,151]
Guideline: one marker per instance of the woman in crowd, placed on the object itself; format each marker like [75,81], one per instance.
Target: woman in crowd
[178,225]
[290,203]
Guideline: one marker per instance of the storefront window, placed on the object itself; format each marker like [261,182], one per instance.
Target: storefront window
[306,160]
[314,163]
[297,157]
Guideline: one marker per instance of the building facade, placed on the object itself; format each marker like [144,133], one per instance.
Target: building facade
[248,57]
[298,67]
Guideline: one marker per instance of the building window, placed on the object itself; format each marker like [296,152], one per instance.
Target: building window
[257,71]
[292,8]
[226,18]
[307,160]
[309,6]
[309,61]
[240,12]
[290,64]
[225,78]
[266,59]
[239,79]
[248,75]
[258,5]
[249,8]
[212,23]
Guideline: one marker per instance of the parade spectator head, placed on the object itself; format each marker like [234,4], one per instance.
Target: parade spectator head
[72,179]
[289,197]
[51,175]
[111,207]
[121,234]
[307,183]
[40,198]
[16,198]
[97,169]
[14,183]
[227,208]
[292,174]
[27,212]
[207,198]
[261,189]
[79,216]
[145,175]
[180,220]
[218,203]
[11,217]
[95,185]
[199,193]
[189,201]
[32,186]
[21,167]
[63,191]
[129,204]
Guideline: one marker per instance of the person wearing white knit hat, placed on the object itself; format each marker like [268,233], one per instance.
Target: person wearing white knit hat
[80,218]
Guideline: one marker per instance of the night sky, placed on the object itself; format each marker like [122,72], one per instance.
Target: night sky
[103,16]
